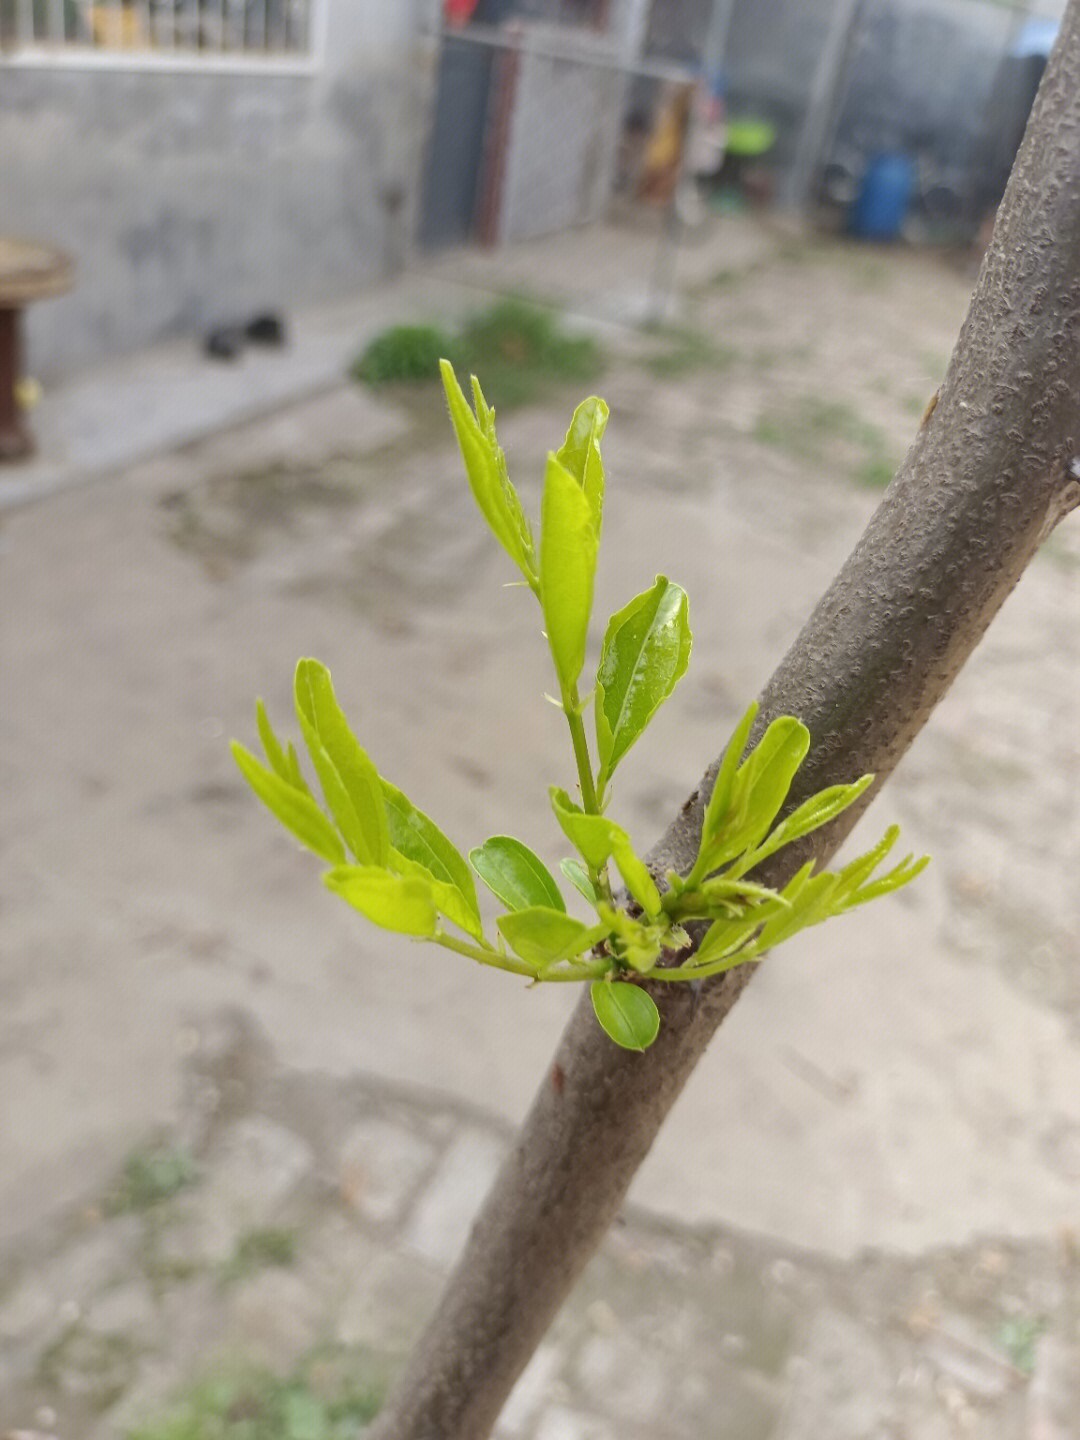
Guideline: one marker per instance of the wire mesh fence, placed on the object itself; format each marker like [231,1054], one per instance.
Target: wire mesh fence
[632,132]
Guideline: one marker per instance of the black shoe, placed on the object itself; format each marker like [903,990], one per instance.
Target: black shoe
[266,329]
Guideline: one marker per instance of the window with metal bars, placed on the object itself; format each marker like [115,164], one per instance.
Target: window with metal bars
[158,29]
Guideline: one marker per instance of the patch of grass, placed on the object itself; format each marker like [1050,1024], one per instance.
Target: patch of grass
[824,432]
[150,1175]
[875,472]
[261,1250]
[518,348]
[258,1405]
[98,1367]
[685,350]
[1018,1336]
[404,352]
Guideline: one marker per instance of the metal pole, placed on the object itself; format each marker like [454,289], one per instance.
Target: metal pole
[821,106]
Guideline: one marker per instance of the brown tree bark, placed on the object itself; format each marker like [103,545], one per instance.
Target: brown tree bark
[991,471]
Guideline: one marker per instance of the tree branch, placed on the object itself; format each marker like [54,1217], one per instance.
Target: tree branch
[990,473]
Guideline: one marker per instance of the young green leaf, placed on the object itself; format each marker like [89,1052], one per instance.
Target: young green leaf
[447,898]
[758,791]
[485,466]
[568,546]
[887,884]
[600,840]
[580,453]
[416,836]
[395,902]
[296,810]
[511,871]
[578,876]
[645,653]
[272,747]
[727,937]
[811,815]
[541,935]
[720,800]
[348,778]
[627,1013]
[635,942]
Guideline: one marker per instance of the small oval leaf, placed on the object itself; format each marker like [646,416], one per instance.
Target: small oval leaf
[511,871]
[541,935]
[627,1013]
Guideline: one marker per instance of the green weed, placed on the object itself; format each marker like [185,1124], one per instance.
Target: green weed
[150,1175]
[404,352]
[261,1250]
[258,1405]
[824,432]
[685,350]
[520,346]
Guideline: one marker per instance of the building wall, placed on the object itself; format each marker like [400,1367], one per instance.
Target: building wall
[189,199]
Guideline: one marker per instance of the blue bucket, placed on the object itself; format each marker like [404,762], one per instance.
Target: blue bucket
[884,196]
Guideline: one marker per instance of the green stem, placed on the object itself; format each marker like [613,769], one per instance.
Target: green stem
[589,800]
[572,711]
[499,960]
[487,955]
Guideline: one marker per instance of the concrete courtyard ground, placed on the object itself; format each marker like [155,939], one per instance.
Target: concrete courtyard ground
[237,1127]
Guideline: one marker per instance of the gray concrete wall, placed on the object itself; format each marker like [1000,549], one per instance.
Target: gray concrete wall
[191,198]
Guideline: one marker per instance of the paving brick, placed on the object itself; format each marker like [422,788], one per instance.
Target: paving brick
[382,1164]
[440,1222]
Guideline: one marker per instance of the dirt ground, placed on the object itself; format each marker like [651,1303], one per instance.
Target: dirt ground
[898,1097]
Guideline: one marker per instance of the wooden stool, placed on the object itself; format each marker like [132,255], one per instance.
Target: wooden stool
[28,271]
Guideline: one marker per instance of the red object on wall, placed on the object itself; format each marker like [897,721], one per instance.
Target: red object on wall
[458,12]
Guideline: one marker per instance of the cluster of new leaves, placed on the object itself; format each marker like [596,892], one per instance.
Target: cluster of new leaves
[393,864]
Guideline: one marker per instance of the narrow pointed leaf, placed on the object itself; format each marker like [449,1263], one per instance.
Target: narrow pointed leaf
[402,903]
[759,790]
[349,780]
[888,884]
[580,453]
[541,935]
[726,937]
[809,907]
[645,653]
[578,876]
[743,891]
[296,810]
[627,1013]
[862,867]
[447,898]
[511,871]
[485,467]
[568,549]
[272,747]
[417,836]
[811,815]
[723,788]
